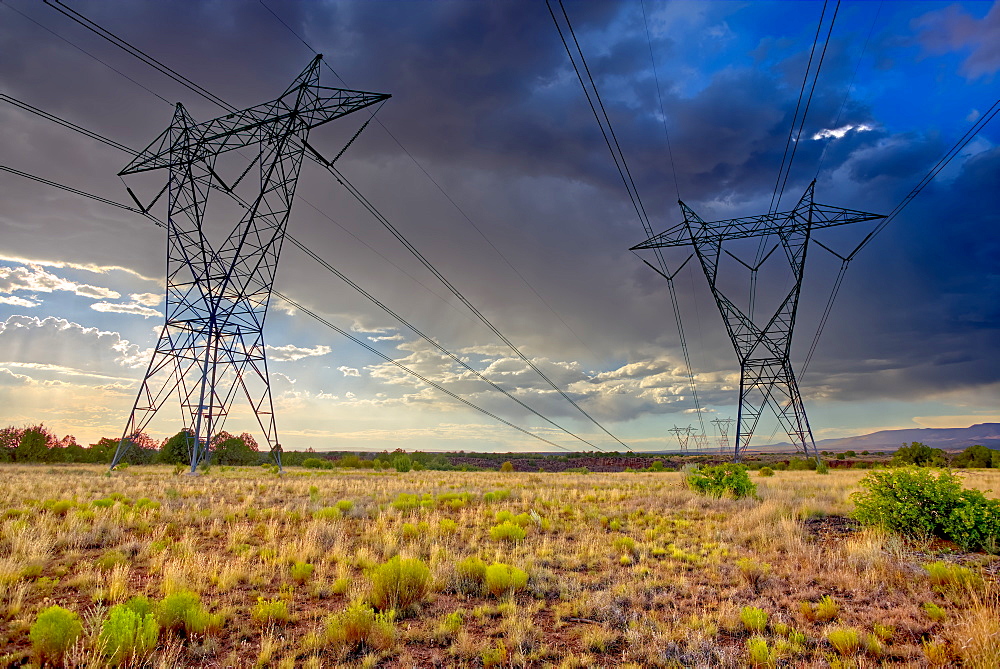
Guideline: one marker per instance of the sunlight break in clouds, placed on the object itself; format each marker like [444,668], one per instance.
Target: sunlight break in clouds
[35,279]
[291,353]
[839,133]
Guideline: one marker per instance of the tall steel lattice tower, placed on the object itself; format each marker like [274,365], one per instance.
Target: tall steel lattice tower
[762,346]
[211,348]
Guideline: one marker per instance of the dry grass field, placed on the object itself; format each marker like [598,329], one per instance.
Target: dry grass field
[244,568]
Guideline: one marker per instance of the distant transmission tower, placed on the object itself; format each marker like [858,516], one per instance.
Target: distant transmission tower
[722,427]
[212,345]
[700,439]
[762,346]
[682,437]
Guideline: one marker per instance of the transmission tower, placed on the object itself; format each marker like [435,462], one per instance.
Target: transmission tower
[682,437]
[211,347]
[722,427]
[762,346]
[700,439]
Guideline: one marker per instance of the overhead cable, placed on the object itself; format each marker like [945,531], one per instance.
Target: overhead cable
[310,313]
[317,157]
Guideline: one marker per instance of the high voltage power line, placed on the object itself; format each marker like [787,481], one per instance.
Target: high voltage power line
[328,164]
[304,310]
[301,246]
[611,139]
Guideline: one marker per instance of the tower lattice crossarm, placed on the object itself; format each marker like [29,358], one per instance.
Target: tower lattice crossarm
[763,348]
[211,348]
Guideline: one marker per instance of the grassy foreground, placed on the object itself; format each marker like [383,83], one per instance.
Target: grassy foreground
[622,570]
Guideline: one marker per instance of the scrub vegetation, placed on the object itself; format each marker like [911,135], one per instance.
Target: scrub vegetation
[346,567]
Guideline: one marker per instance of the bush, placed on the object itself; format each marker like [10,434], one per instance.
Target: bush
[54,632]
[507,466]
[501,579]
[921,455]
[844,640]
[270,611]
[974,456]
[508,531]
[398,584]
[470,574]
[359,625]
[317,463]
[128,635]
[753,618]
[725,479]
[182,610]
[301,571]
[766,471]
[914,502]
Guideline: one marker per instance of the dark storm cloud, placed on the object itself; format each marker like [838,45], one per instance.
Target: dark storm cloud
[485,98]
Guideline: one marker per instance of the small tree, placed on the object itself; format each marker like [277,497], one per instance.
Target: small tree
[921,455]
[35,445]
[974,456]
[507,466]
[176,449]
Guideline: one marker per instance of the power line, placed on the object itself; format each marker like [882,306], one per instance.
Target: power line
[316,316]
[440,188]
[318,157]
[611,139]
[82,50]
[330,268]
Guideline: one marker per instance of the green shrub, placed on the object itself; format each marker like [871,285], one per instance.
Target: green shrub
[496,496]
[508,531]
[760,654]
[753,618]
[128,636]
[914,502]
[470,574]
[507,466]
[766,471]
[270,611]
[317,463]
[501,579]
[359,626]
[844,640]
[934,612]
[53,632]
[328,513]
[822,467]
[182,610]
[345,505]
[920,455]
[721,480]
[398,584]
[406,502]
[301,571]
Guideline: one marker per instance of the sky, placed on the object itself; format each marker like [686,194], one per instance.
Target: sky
[489,160]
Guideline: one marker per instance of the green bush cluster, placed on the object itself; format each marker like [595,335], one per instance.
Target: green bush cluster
[54,632]
[182,611]
[501,579]
[915,502]
[398,584]
[360,626]
[508,531]
[130,632]
[727,479]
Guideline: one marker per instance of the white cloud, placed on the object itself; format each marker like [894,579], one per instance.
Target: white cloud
[290,352]
[35,279]
[86,267]
[395,337]
[841,132]
[18,302]
[349,371]
[126,308]
[147,299]
[63,345]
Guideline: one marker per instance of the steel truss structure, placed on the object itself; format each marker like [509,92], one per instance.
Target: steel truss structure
[766,375]
[211,348]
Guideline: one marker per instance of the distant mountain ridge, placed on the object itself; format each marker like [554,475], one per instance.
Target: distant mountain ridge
[947,438]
